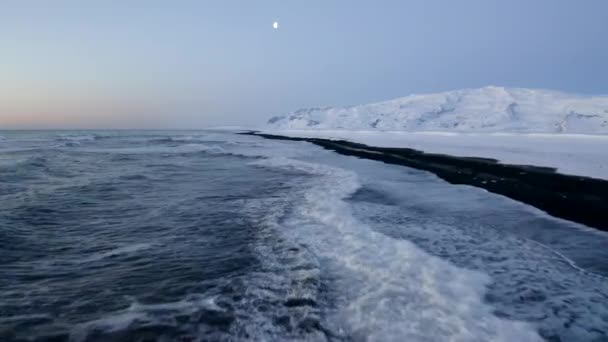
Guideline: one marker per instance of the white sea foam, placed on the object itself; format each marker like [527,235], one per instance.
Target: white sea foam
[143,314]
[185,138]
[76,137]
[475,229]
[389,289]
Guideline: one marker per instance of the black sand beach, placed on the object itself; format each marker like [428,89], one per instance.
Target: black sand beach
[579,199]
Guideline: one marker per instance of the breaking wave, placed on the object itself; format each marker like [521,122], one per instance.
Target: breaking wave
[410,294]
[78,138]
[209,237]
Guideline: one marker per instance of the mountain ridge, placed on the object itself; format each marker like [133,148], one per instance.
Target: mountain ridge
[487,109]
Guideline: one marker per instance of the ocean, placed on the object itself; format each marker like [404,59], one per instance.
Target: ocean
[216,236]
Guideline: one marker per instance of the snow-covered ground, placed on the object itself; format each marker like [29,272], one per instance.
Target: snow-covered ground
[488,109]
[575,154]
[513,125]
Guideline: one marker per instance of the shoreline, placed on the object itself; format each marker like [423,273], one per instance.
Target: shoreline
[576,198]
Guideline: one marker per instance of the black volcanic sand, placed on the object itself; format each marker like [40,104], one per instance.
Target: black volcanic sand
[580,199]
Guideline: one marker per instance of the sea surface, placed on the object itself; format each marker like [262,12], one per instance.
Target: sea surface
[215,236]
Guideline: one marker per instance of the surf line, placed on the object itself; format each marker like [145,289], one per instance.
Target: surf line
[575,198]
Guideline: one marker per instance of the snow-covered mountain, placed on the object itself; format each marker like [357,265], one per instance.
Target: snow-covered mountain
[488,109]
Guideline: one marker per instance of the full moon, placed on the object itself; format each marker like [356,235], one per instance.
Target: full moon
[275,25]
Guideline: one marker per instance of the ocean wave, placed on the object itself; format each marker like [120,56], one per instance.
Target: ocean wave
[75,137]
[186,138]
[289,281]
[127,249]
[136,320]
[264,306]
[184,148]
[550,286]
[74,143]
[20,168]
[27,164]
[160,140]
[209,138]
[411,294]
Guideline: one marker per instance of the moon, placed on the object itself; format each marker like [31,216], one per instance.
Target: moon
[275,25]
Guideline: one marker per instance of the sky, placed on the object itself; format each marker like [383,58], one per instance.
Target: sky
[195,64]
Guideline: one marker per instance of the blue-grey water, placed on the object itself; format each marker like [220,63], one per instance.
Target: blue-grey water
[214,236]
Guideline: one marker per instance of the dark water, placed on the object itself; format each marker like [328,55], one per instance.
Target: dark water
[163,236]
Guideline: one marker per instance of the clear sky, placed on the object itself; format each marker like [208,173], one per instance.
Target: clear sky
[191,64]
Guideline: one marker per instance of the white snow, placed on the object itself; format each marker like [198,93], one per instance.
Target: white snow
[574,154]
[488,109]
[513,125]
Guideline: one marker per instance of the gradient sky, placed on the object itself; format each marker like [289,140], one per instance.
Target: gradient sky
[191,64]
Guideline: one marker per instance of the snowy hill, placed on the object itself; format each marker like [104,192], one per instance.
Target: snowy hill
[488,109]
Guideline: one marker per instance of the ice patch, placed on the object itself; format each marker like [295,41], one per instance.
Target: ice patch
[387,289]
